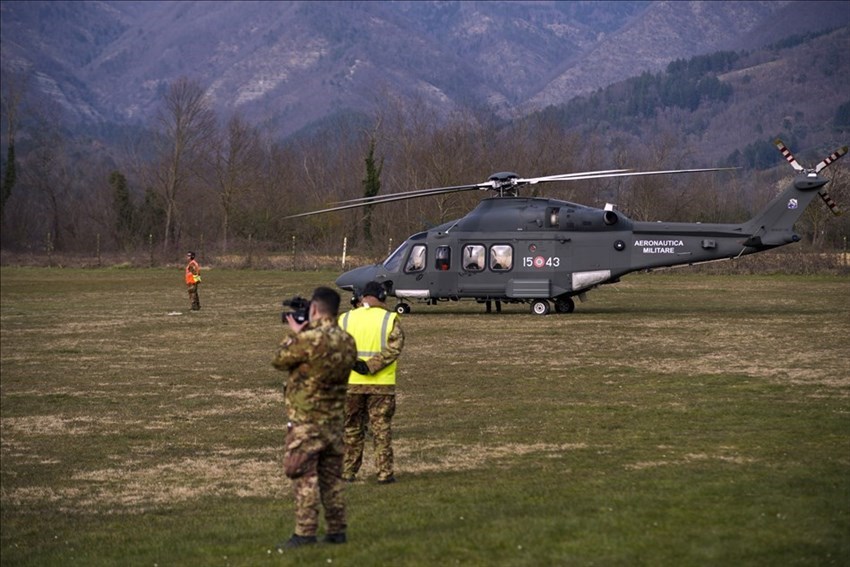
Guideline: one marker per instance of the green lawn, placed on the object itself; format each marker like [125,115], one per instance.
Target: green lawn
[674,419]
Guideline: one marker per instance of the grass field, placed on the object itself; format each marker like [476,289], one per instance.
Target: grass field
[675,419]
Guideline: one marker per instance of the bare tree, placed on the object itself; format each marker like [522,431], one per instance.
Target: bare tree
[184,124]
[45,172]
[236,162]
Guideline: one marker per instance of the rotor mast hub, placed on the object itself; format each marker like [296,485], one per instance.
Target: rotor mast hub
[505,182]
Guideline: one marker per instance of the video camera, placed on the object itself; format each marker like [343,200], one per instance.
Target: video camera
[300,309]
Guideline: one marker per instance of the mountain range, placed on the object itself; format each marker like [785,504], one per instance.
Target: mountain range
[290,65]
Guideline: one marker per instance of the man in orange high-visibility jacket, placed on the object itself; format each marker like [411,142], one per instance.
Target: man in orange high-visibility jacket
[371,385]
[193,278]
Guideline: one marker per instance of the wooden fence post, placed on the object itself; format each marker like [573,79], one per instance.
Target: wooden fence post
[49,246]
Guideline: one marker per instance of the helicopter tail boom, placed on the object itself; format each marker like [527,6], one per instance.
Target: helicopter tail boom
[774,226]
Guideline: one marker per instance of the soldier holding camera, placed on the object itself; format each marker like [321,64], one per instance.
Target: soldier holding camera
[319,356]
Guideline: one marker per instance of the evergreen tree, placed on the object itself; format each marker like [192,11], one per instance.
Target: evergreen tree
[151,215]
[125,213]
[9,177]
[371,187]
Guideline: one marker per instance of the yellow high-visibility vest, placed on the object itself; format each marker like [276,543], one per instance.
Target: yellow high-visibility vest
[370,327]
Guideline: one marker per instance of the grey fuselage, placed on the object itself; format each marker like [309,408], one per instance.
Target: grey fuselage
[518,249]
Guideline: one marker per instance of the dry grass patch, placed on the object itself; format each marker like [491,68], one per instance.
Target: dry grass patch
[730,393]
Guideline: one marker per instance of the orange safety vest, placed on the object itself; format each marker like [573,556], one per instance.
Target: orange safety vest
[193,277]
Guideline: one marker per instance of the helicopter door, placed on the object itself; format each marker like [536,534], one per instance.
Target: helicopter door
[476,279]
[410,283]
[444,281]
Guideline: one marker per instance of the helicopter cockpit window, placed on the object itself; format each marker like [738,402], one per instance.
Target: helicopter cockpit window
[473,257]
[393,261]
[416,260]
[443,258]
[501,257]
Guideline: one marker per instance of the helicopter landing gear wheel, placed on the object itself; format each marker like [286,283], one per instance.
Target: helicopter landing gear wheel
[402,308]
[540,307]
[566,305]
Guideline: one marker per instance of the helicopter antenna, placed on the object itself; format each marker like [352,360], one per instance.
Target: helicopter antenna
[834,156]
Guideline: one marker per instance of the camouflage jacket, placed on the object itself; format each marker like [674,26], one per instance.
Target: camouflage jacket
[319,360]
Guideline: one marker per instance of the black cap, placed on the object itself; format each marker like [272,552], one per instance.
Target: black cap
[190,254]
[375,290]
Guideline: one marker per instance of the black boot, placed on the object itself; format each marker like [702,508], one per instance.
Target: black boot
[296,541]
[335,538]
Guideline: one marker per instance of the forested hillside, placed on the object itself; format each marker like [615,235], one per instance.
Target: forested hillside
[730,106]
[194,178]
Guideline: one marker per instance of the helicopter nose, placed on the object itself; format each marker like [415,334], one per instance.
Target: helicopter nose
[356,279]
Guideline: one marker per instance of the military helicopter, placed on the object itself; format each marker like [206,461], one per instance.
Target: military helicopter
[544,252]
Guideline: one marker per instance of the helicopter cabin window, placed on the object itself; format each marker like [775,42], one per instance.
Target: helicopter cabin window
[416,260]
[473,257]
[501,257]
[553,217]
[443,258]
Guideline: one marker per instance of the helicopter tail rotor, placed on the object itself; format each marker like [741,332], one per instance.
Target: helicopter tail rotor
[830,203]
[830,158]
[786,153]
[824,164]
[834,156]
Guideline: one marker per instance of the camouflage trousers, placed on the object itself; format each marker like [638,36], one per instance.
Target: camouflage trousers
[313,460]
[194,298]
[376,411]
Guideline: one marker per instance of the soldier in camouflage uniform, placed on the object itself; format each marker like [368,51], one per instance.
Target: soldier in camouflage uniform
[371,386]
[318,356]
[193,278]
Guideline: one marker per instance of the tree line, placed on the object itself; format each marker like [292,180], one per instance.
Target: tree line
[194,178]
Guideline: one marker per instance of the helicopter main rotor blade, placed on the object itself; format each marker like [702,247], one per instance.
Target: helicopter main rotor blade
[567,176]
[495,183]
[615,173]
[367,201]
[417,192]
